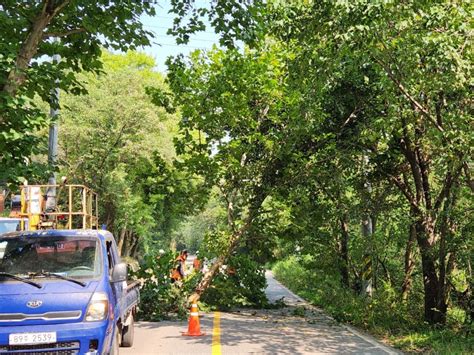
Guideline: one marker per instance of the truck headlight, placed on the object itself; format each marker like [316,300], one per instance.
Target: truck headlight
[98,307]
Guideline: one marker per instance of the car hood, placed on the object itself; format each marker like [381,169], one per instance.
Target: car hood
[56,302]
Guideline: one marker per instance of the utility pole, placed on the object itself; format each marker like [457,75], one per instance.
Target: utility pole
[53,140]
[53,127]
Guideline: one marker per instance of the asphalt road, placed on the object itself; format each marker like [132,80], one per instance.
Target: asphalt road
[279,331]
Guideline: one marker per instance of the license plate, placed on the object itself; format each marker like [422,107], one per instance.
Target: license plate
[32,338]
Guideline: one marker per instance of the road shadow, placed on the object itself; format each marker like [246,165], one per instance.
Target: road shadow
[289,330]
[290,326]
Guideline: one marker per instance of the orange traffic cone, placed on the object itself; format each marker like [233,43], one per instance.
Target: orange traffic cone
[194,329]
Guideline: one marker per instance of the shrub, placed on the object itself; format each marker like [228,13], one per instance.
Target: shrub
[159,297]
[241,283]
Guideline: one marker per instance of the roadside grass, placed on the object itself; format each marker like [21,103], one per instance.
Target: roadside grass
[384,315]
[434,341]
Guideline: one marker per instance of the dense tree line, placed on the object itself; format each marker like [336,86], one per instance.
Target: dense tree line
[116,141]
[345,114]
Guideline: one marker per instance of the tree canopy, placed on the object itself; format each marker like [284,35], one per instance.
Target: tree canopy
[74,30]
[362,109]
[116,141]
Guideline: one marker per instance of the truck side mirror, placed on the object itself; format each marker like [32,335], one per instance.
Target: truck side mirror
[119,273]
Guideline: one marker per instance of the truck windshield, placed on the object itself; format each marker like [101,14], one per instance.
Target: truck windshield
[26,256]
[9,226]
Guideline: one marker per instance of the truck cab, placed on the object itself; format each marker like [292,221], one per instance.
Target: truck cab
[64,291]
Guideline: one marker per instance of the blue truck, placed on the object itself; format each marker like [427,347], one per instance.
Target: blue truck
[64,292]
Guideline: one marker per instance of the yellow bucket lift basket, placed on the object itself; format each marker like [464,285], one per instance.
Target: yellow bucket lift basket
[58,207]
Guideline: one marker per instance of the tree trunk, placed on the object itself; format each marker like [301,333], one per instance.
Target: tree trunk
[127,246]
[385,270]
[435,309]
[135,247]
[415,228]
[367,269]
[208,276]
[121,240]
[2,201]
[29,47]
[367,234]
[446,258]
[344,251]
[424,213]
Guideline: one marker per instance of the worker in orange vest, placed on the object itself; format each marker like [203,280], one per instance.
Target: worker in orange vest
[197,263]
[179,271]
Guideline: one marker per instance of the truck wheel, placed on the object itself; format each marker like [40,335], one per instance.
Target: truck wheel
[114,349]
[127,334]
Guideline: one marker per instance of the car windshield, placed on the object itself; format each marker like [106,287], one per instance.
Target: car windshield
[25,256]
[9,226]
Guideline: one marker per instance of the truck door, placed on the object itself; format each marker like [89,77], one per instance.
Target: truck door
[116,287]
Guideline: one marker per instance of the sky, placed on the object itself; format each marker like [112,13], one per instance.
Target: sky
[164,45]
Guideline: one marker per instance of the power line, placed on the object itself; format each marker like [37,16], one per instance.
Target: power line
[191,39]
[181,46]
[165,17]
[166,28]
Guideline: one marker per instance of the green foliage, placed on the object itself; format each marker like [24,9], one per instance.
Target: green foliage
[232,134]
[345,111]
[18,143]
[338,111]
[246,24]
[230,125]
[160,298]
[385,87]
[191,231]
[170,193]
[299,311]
[292,273]
[434,341]
[241,283]
[115,140]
